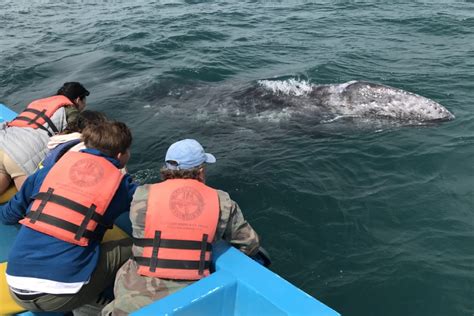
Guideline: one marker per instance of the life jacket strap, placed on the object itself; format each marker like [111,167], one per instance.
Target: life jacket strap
[34,121]
[153,262]
[173,243]
[43,115]
[80,232]
[63,224]
[173,264]
[38,212]
[70,204]
[156,248]
[202,257]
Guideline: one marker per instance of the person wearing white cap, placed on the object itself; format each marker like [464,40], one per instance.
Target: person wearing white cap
[187,154]
[174,223]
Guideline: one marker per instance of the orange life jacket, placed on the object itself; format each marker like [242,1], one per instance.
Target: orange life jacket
[73,198]
[39,112]
[180,224]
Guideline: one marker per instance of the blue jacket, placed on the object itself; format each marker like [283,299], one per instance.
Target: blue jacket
[38,255]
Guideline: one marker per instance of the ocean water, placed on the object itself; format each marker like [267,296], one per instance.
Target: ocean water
[370,217]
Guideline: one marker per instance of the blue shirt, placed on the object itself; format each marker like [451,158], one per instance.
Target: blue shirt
[38,255]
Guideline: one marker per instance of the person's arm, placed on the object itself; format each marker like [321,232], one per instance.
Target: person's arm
[15,209]
[236,229]
[131,187]
[138,210]
[122,199]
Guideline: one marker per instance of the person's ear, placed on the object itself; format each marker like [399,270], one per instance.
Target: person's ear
[123,158]
[119,157]
[80,103]
[202,174]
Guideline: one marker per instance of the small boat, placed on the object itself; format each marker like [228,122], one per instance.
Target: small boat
[239,285]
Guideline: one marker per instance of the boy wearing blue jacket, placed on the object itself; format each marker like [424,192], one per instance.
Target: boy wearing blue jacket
[57,262]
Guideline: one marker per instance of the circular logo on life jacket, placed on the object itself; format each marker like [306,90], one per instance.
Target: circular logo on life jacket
[86,172]
[186,203]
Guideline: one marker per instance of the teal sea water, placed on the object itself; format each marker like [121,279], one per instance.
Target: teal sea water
[368,217]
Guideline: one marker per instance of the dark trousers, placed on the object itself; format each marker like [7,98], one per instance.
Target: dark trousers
[113,255]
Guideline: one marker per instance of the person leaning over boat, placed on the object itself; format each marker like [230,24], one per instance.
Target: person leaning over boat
[57,262]
[23,140]
[177,219]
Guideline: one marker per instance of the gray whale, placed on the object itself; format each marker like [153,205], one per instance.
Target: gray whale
[352,104]
[350,99]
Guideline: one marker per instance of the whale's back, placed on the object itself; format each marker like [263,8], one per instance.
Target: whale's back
[365,99]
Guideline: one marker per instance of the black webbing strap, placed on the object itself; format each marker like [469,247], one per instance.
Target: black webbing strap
[70,204]
[58,222]
[172,243]
[34,121]
[85,222]
[173,264]
[39,210]
[24,118]
[38,114]
[202,257]
[43,115]
[154,254]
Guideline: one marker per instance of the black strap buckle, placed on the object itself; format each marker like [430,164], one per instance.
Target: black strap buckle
[154,255]
[40,208]
[202,257]
[85,222]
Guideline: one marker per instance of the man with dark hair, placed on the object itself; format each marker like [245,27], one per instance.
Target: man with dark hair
[57,262]
[23,141]
[174,223]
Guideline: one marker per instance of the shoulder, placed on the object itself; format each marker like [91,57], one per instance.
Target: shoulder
[71,113]
[226,205]
[34,181]
[71,110]
[224,198]
[141,193]
[59,139]
[139,203]
[61,112]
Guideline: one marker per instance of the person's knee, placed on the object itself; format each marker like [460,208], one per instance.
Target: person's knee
[14,171]
[5,178]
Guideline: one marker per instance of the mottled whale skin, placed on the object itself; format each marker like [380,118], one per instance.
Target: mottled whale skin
[365,99]
[356,99]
